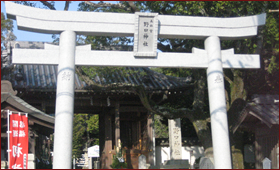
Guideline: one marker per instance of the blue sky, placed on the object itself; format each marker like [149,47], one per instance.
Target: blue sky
[30,36]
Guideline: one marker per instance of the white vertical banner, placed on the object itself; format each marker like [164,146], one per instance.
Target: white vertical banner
[8,134]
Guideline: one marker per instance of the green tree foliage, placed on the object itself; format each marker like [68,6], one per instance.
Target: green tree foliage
[118,160]
[104,42]
[93,129]
[85,132]
[161,127]
[79,134]
[98,42]
[6,31]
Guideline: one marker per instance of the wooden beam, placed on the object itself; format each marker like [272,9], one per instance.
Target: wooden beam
[51,126]
[132,109]
[131,102]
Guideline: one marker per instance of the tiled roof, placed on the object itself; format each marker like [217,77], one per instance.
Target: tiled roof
[44,77]
[263,107]
[25,107]
[267,107]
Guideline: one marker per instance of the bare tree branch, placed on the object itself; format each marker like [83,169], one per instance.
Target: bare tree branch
[164,48]
[133,7]
[98,5]
[259,40]
[66,7]
[228,79]
[49,5]
[146,100]
[199,90]
[84,77]
[273,10]
[169,113]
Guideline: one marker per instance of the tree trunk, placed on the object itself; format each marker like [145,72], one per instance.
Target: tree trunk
[200,118]
[204,135]
[237,101]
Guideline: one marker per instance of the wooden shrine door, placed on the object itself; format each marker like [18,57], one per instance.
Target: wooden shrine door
[134,137]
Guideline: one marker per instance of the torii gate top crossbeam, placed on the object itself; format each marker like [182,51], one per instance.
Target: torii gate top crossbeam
[121,24]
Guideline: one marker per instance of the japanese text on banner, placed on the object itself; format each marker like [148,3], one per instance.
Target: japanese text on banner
[18,141]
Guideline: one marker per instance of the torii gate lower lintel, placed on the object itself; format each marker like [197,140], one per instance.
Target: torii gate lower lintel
[66,55]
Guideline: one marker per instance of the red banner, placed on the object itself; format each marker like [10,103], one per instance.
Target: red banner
[18,141]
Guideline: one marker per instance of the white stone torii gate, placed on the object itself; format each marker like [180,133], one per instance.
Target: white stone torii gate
[67,55]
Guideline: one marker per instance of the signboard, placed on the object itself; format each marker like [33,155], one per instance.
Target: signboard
[249,154]
[93,151]
[206,163]
[266,163]
[146,34]
[18,143]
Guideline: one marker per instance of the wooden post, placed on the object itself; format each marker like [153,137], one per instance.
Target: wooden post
[139,133]
[32,141]
[117,124]
[102,139]
[150,127]
[108,140]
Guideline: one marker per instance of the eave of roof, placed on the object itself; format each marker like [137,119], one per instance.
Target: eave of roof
[25,107]
[263,107]
[44,77]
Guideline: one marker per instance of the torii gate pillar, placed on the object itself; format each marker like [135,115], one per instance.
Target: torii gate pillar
[64,109]
[217,104]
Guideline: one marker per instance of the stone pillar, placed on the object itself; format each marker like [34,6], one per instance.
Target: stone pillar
[64,102]
[142,162]
[175,139]
[217,102]
[90,163]
[31,161]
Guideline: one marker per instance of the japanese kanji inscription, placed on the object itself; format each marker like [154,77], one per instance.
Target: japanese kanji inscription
[146,34]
